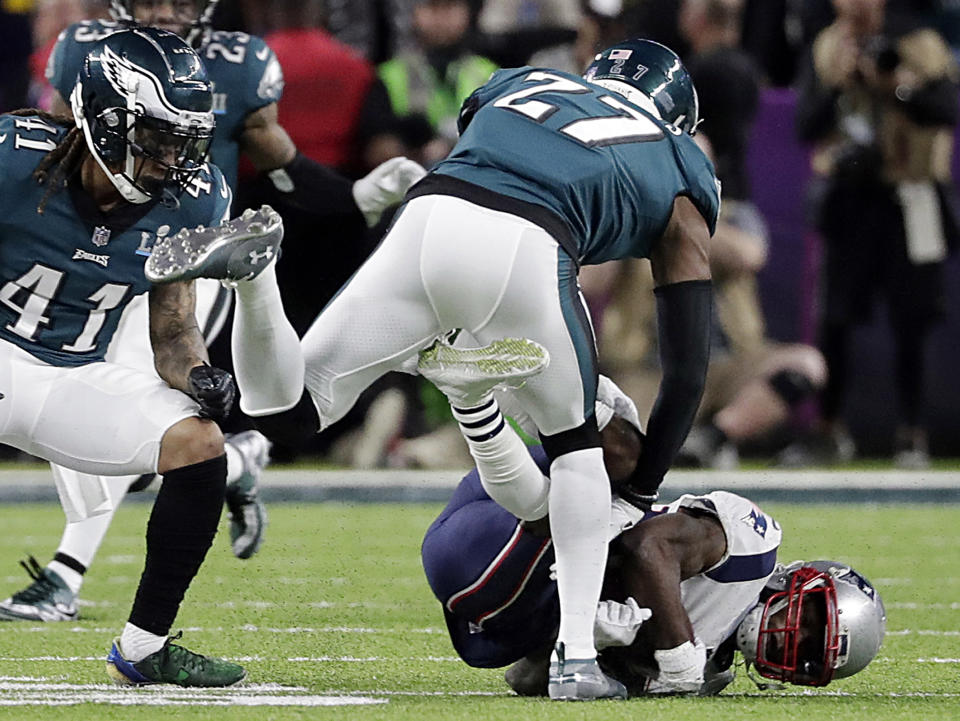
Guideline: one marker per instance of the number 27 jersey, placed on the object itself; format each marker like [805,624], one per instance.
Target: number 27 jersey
[607,169]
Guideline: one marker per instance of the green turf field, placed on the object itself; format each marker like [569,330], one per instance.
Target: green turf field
[333,619]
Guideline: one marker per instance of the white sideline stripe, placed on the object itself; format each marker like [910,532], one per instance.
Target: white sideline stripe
[938,660]
[907,606]
[922,632]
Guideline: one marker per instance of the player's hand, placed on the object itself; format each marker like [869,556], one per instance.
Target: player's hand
[681,669]
[617,624]
[214,389]
[384,186]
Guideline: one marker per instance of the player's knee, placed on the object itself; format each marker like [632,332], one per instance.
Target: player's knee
[580,438]
[192,440]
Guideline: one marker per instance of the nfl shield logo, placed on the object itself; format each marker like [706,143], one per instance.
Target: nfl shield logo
[101,236]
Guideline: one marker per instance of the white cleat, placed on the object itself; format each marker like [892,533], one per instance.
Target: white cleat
[580,680]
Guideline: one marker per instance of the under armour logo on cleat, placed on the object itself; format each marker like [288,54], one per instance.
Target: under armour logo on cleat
[257,255]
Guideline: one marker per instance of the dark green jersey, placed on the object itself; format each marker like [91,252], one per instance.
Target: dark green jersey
[66,274]
[606,170]
[245,74]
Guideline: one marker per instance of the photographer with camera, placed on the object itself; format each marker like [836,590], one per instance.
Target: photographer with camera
[878,98]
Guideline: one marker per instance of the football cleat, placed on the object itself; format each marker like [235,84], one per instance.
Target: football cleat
[48,598]
[172,664]
[248,515]
[580,679]
[468,375]
[239,249]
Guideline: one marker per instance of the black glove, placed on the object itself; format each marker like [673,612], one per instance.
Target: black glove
[214,389]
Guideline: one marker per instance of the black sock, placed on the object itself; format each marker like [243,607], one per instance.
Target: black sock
[182,525]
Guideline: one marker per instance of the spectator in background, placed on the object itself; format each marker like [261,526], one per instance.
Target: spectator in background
[727,82]
[15,49]
[878,99]
[513,30]
[600,26]
[428,84]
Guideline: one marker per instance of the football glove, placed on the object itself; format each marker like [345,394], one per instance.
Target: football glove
[616,624]
[384,186]
[214,389]
[681,669]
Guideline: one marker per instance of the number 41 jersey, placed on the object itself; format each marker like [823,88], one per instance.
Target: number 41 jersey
[67,274]
[608,170]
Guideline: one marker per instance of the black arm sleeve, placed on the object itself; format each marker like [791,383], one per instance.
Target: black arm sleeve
[684,312]
[313,188]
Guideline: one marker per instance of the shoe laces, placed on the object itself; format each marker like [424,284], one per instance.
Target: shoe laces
[194,663]
[42,588]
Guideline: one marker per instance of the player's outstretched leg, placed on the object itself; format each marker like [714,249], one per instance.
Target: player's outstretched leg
[48,598]
[172,664]
[248,515]
[238,249]
[468,375]
[580,680]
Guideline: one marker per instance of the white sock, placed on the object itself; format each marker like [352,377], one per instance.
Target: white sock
[267,359]
[81,540]
[136,644]
[234,462]
[70,577]
[579,520]
[507,472]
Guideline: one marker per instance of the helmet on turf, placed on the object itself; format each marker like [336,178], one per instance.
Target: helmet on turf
[822,620]
[645,71]
[197,27]
[143,102]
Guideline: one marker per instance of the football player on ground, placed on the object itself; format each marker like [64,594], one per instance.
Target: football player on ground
[687,585]
[248,83]
[551,171]
[82,202]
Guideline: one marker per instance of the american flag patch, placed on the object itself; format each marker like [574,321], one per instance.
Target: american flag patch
[620,54]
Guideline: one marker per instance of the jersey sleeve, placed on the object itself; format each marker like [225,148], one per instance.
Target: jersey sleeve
[72,46]
[703,187]
[264,75]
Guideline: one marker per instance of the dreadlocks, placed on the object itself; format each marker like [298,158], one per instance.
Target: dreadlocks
[56,167]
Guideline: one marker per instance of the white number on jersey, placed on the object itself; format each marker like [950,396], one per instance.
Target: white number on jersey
[31,124]
[628,125]
[41,284]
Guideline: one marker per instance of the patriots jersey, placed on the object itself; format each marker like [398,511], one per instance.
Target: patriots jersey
[604,171]
[67,274]
[492,575]
[243,70]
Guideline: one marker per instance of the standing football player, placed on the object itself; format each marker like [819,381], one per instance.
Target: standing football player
[82,203]
[247,84]
[551,171]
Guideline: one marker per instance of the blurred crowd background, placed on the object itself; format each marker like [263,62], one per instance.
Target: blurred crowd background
[831,124]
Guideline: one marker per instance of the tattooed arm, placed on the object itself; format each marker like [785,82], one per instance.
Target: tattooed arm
[174,334]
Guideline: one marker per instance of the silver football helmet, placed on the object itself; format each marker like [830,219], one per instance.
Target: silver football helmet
[821,620]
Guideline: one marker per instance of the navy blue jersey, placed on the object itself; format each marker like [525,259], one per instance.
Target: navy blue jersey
[245,74]
[607,169]
[492,576]
[67,274]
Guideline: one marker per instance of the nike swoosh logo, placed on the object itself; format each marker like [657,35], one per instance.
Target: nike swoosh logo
[263,54]
[3,138]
